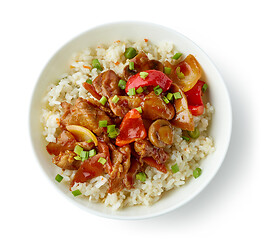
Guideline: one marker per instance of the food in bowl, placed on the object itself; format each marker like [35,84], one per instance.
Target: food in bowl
[128,122]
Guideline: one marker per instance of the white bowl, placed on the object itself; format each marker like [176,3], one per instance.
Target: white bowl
[220,128]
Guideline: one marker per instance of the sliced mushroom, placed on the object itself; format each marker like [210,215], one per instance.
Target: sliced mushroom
[161,133]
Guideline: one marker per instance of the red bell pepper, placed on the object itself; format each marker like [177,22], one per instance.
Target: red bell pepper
[154,79]
[131,128]
[195,103]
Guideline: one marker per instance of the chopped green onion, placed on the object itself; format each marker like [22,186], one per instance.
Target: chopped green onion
[76,193]
[204,87]
[131,92]
[139,109]
[131,65]
[84,155]
[113,134]
[103,100]
[157,90]
[110,128]
[178,70]
[177,95]
[177,55]
[143,75]
[141,176]
[78,149]
[166,100]
[194,134]
[185,138]
[180,75]
[58,178]
[96,64]
[115,99]
[140,90]
[130,52]
[92,152]
[89,141]
[175,168]
[167,70]
[197,172]
[170,96]
[122,84]
[78,158]
[89,81]
[103,123]
[102,160]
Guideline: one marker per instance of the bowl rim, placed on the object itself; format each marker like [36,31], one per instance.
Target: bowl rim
[202,186]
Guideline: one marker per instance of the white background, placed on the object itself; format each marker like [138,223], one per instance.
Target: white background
[231,32]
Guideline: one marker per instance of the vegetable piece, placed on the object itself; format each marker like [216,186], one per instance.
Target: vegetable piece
[140,90]
[166,100]
[103,100]
[92,152]
[115,99]
[167,70]
[131,128]
[161,133]
[110,128]
[113,134]
[58,178]
[131,65]
[139,109]
[197,172]
[157,90]
[177,55]
[122,84]
[141,176]
[89,81]
[82,133]
[78,149]
[143,75]
[204,88]
[195,103]
[76,193]
[154,78]
[186,138]
[78,158]
[151,162]
[84,155]
[194,134]
[175,168]
[131,92]
[170,96]
[102,160]
[177,95]
[130,52]
[96,64]
[103,123]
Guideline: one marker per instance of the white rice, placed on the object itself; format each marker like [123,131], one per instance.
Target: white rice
[186,154]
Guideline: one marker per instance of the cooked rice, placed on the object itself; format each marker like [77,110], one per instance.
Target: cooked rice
[186,154]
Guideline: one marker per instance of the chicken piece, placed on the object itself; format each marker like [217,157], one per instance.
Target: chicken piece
[65,160]
[145,149]
[142,63]
[129,178]
[154,107]
[65,141]
[106,84]
[124,104]
[105,108]
[83,114]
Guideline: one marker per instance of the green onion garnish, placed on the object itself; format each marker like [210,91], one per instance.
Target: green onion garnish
[170,96]
[194,134]
[110,128]
[92,152]
[177,55]
[58,178]
[89,141]
[96,64]
[166,100]
[131,65]
[204,87]
[102,160]
[122,84]
[177,95]
[78,158]
[141,176]
[139,109]
[175,168]
[131,92]
[130,52]
[84,155]
[180,75]
[78,149]
[76,193]
[115,99]
[157,90]
[140,90]
[197,172]
[185,138]
[113,134]
[143,75]
[167,70]
[89,81]
[103,123]
[103,100]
